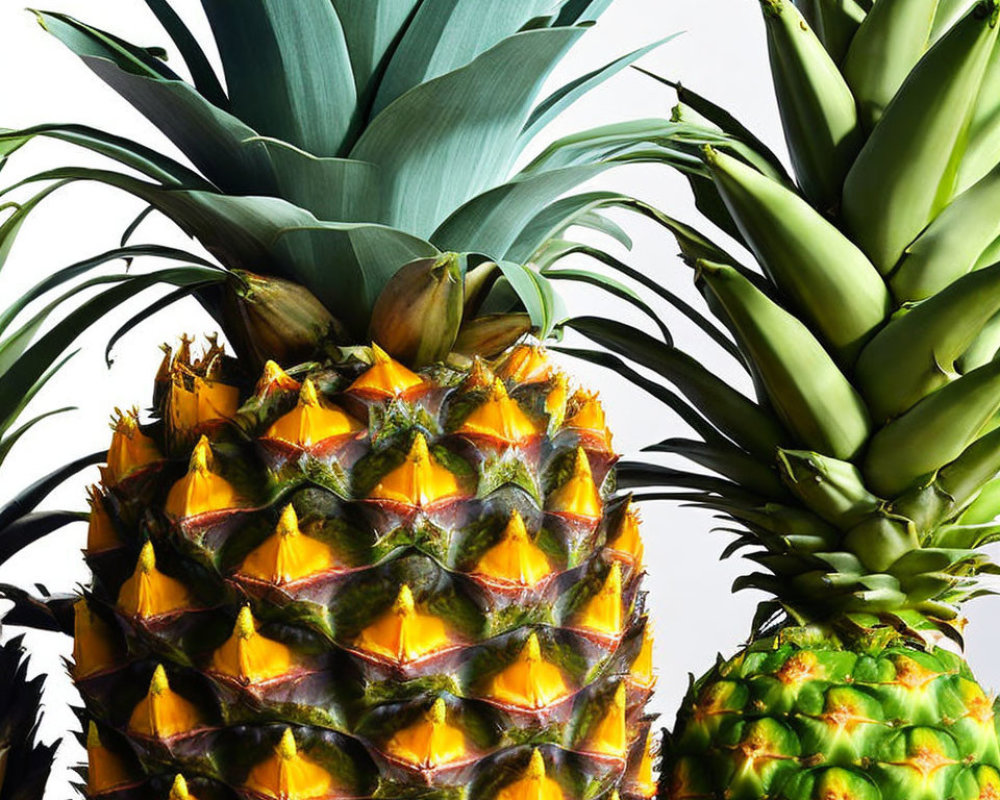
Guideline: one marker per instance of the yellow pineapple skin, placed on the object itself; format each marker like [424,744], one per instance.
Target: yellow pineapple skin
[357,580]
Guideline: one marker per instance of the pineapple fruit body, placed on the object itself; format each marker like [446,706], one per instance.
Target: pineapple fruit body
[803,717]
[360,581]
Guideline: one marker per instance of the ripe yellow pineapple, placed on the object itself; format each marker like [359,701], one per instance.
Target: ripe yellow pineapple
[374,554]
[362,580]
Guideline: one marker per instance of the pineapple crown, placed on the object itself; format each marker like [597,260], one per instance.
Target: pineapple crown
[350,140]
[863,475]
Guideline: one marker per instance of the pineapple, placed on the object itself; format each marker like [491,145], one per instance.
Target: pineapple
[375,552]
[863,477]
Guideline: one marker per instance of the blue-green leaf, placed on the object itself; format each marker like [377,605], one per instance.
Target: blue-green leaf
[288,70]
[557,102]
[452,138]
[334,189]
[448,34]
[204,77]
[494,221]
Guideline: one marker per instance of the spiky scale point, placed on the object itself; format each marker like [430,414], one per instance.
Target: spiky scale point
[526,364]
[163,714]
[179,789]
[149,593]
[274,379]
[500,418]
[536,765]
[130,450]
[403,634]
[579,495]
[288,555]
[515,559]
[202,490]
[249,658]
[386,378]
[287,773]
[609,737]
[529,682]
[430,742]
[438,712]
[404,605]
[201,457]
[287,749]
[534,784]
[245,626]
[158,683]
[420,480]
[147,559]
[308,395]
[603,612]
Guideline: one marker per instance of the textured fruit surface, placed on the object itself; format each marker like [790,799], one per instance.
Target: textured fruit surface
[797,719]
[364,581]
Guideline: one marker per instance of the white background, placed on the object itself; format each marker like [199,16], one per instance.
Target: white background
[721,54]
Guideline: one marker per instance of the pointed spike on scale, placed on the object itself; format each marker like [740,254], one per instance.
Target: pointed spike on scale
[149,593]
[245,627]
[602,613]
[201,457]
[827,277]
[287,749]
[308,395]
[421,480]
[386,378]
[579,496]
[515,558]
[809,392]
[900,182]
[404,634]
[179,789]
[274,379]
[536,765]
[526,364]
[202,490]
[158,683]
[818,111]
[288,522]
[404,604]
